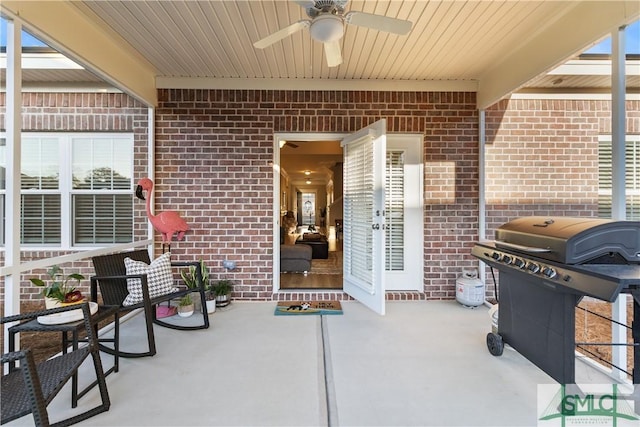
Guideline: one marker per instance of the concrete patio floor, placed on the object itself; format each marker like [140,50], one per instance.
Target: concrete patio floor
[423,364]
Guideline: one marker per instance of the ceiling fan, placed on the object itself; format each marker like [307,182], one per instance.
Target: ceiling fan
[327,26]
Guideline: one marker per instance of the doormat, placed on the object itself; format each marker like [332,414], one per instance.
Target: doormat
[302,308]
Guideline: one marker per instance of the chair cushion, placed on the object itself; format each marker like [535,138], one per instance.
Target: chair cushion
[159,278]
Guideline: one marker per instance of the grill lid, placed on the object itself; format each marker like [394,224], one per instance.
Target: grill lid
[573,240]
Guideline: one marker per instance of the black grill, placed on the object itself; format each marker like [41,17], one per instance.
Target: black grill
[547,265]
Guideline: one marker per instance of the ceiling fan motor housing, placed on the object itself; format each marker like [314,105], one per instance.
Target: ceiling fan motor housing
[335,7]
[327,28]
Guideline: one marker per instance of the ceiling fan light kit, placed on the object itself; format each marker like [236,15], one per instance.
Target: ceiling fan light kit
[327,26]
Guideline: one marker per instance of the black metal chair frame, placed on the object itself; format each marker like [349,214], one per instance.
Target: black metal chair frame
[111,281]
[31,387]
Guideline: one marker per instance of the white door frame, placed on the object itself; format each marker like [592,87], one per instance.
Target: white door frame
[391,140]
[277,137]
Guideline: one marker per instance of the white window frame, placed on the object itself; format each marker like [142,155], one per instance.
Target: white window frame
[633,138]
[66,191]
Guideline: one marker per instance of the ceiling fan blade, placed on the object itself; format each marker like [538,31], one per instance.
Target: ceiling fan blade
[379,22]
[291,144]
[305,3]
[281,34]
[332,53]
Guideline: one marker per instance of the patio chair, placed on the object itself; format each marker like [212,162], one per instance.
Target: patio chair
[31,387]
[111,280]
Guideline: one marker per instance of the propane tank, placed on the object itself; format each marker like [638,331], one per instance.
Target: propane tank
[469,288]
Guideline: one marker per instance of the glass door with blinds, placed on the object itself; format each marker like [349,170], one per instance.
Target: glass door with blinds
[363,215]
[404,202]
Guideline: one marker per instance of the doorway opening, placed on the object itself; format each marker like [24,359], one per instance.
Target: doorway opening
[310,189]
[299,161]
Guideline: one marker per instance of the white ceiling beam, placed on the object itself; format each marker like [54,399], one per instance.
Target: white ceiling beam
[63,27]
[323,84]
[584,24]
[581,67]
[43,61]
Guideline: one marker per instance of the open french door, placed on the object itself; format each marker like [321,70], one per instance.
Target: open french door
[363,217]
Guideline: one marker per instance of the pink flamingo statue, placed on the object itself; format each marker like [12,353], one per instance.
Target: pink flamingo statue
[167,223]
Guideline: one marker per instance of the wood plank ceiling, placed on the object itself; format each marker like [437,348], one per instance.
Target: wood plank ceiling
[484,45]
[450,40]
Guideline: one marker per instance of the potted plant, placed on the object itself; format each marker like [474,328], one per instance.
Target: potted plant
[222,289]
[186,307]
[191,281]
[210,295]
[59,292]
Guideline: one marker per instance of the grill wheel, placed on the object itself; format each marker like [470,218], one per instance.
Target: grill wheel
[495,344]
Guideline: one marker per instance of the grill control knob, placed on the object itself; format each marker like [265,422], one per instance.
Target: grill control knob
[549,272]
[533,267]
[519,262]
[507,259]
[495,256]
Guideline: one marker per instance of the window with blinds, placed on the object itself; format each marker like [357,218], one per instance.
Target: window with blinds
[102,204]
[85,201]
[358,207]
[632,177]
[394,209]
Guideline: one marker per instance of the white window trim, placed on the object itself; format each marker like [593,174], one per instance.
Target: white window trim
[65,190]
[629,138]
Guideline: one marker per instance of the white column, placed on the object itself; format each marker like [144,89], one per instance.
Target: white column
[618,202]
[151,168]
[482,226]
[13,126]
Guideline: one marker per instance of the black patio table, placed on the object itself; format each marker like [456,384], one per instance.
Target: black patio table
[74,328]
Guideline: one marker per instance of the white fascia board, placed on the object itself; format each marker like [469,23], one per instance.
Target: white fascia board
[586,96]
[65,28]
[43,61]
[309,84]
[593,68]
[583,23]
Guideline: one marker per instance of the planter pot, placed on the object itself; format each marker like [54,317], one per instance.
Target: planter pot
[54,303]
[186,310]
[211,306]
[51,303]
[223,300]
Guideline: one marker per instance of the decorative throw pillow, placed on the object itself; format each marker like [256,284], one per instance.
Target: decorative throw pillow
[159,278]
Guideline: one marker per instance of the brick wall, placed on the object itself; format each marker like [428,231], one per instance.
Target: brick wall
[542,157]
[214,153]
[83,112]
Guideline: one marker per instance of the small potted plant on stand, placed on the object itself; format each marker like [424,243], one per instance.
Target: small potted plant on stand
[191,281]
[59,292]
[222,290]
[186,307]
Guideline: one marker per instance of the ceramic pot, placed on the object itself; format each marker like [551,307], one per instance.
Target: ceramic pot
[51,303]
[54,303]
[186,310]
[211,306]
[223,300]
